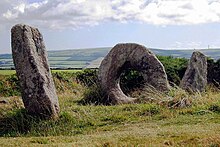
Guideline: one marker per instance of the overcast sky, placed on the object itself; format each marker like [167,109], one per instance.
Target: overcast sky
[67,24]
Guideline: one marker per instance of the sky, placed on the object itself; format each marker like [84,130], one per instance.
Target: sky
[74,24]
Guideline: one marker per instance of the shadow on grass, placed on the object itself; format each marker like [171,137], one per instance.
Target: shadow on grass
[16,123]
[20,123]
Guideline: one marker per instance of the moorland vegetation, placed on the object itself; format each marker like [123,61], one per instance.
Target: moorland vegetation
[158,119]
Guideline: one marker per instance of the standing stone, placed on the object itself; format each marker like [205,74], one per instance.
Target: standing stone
[195,77]
[130,56]
[31,64]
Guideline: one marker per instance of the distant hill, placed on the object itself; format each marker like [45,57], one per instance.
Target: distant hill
[91,58]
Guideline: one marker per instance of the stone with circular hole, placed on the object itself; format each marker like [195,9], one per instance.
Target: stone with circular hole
[130,56]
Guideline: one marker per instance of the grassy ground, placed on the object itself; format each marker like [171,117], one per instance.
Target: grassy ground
[139,134]
[172,119]
[145,124]
[7,72]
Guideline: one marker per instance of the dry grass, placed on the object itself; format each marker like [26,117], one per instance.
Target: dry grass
[178,98]
[156,121]
[9,103]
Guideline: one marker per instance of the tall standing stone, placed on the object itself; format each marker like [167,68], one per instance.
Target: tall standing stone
[130,56]
[195,77]
[31,64]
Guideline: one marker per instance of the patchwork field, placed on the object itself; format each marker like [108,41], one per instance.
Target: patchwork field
[91,58]
[11,72]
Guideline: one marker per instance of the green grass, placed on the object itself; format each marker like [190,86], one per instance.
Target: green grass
[7,72]
[58,58]
[69,63]
[66,70]
[139,134]
[154,122]
[145,124]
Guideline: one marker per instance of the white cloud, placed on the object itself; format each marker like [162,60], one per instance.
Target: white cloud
[78,13]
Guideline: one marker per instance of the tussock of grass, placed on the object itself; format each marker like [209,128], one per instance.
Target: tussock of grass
[94,95]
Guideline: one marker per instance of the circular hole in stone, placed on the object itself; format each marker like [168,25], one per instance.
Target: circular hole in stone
[131,80]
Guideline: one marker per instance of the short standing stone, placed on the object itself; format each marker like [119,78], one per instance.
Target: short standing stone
[195,77]
[130,56]
[31,64]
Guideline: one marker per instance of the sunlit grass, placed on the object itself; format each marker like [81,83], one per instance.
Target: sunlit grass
[7,72]
[175,118]
[148,123]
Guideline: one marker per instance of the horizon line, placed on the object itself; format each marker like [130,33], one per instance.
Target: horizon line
[168,49]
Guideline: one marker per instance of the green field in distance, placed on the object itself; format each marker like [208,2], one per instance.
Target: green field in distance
[11,72]
[91,58]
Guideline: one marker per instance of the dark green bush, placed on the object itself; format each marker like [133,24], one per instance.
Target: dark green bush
[88,77]
[131,80]
[95,95]
[214,72]
[63,76]
[175,68]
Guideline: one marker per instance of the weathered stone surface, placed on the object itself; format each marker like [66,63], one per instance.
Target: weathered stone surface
[31,64]
[130,56]
[195,77]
